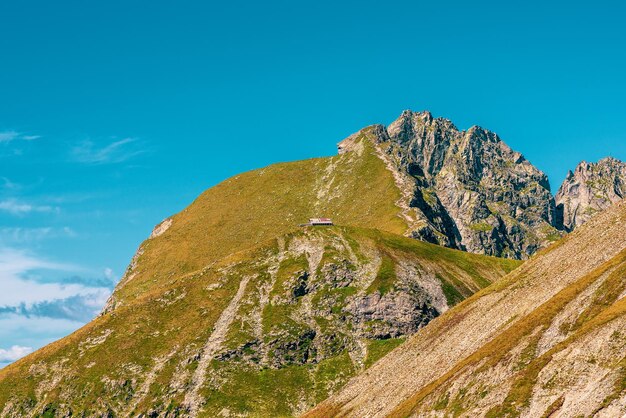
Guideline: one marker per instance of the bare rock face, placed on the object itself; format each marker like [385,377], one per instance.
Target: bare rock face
[591,188]
[470,190]
[392,315]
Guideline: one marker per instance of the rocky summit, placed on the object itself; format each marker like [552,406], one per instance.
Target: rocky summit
[591,188]
[466,189]
[236,307]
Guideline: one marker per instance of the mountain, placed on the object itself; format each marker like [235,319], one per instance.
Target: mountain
[229,307]
[548,340]
[591,188]
[466,189]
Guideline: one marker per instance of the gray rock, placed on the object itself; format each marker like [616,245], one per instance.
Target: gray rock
[394,314]
[591,188]
[472,191]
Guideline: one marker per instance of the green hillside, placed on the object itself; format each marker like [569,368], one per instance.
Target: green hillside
[232,308]
[353,189]
[269,331]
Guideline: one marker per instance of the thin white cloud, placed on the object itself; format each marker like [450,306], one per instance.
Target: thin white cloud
[118,151]
[13,353]
[33,331]
[9,136]
[69,232]
[29,288]
[15,261]
[21,235]
[108,273]
[10,185]
[16,207]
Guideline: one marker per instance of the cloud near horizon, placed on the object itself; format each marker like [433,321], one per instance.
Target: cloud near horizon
[14,353]
[40,293]
[80,307]
[33,331]
[32,285]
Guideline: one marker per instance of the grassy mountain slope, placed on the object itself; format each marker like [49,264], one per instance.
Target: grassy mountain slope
[354,189]
[230,307]
[547,340]
[268,331]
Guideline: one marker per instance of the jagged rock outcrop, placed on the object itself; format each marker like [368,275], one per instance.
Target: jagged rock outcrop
[468,189]
[591,188]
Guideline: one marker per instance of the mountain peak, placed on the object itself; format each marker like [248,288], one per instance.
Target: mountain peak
[436,159]
[603,162]
[591,188]
[424,114]
[610,161]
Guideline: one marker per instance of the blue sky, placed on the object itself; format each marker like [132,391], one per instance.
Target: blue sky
[114,115]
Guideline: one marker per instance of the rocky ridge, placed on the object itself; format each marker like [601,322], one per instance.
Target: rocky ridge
[466,189]
[591,188]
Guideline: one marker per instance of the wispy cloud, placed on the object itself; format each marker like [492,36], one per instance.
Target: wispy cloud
[14,262]
[28,280]
[32,332]
[13,353]
[88,152]
[16,207]
[21,235]
[9,185]
[9,136]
